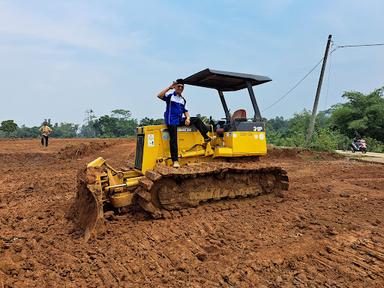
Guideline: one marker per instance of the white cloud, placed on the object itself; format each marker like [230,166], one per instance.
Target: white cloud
[75,28]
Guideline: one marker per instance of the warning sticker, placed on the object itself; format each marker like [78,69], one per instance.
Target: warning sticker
[151,140]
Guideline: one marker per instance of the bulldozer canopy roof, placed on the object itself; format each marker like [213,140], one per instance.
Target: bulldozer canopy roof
[223,80]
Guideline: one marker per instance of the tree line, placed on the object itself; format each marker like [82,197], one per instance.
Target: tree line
[334,128]
[119,123]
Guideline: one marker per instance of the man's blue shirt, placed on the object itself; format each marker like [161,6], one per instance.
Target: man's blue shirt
[175,108]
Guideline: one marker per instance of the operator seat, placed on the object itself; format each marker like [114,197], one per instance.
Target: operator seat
[239,115]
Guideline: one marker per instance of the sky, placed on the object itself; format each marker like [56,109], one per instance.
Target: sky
[61,58]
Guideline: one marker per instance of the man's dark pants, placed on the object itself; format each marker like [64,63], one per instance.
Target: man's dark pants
[44,140]
[172,129]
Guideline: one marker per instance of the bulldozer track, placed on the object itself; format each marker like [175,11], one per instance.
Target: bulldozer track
[210,207]
[166,192]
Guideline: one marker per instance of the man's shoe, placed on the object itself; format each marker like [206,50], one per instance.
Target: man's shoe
[176,164]
[207,140]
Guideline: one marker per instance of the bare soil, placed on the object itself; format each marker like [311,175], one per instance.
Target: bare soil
[327,230]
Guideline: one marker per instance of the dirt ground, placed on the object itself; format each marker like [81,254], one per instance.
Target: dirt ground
[327,230]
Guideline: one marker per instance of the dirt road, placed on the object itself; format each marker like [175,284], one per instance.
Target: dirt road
[327,231]
[368,157]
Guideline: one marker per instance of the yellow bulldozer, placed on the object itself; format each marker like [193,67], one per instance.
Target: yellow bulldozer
[226,167]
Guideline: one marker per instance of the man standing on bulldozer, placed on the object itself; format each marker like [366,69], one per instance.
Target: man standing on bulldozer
[173,116]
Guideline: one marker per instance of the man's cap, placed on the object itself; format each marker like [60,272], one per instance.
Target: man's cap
[180,81]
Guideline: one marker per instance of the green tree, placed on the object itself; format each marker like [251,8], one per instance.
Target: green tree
[292,132]
[299,122]
[278,125]
[27,132]
[105,126]
[8,126]
[361,113]
[121,114]
[118,124]
[65,130]
[150,121]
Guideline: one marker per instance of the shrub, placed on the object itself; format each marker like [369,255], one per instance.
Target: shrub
[374,145]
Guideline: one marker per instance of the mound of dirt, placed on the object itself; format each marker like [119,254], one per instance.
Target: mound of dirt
[80,150]
[292,153]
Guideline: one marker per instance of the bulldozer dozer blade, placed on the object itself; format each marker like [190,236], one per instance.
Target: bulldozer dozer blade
[88,206]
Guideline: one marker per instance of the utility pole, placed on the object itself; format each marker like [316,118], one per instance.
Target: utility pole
[314,110]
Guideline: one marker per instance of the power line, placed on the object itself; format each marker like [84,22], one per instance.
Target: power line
[298,83]
[310,71]
[360,45]
[294,87]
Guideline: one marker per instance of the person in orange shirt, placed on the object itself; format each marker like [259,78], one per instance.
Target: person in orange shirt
[45,130]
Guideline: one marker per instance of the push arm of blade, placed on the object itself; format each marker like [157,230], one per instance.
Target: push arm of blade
[115,186]
[99,162]
[131,182]
[111,168]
